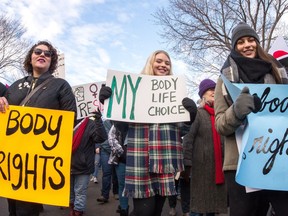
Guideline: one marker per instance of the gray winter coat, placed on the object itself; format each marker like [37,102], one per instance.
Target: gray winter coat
[206,196]
[225,120]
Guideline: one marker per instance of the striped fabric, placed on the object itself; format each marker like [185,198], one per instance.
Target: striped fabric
[154,155]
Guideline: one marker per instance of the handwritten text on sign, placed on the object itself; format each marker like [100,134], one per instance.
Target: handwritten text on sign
[87,99]
[35,154]
[264,153]
[142,98]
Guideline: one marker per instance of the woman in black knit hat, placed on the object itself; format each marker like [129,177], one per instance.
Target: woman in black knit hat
[247,63]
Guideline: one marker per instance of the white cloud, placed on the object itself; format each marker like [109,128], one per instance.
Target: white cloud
[179,67]
[94,35]
[124,17]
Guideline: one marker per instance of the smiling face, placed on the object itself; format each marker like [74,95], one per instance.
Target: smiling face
[161,65]
[247,47]
[40,63]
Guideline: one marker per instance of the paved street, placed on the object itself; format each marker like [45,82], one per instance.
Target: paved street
[93,208]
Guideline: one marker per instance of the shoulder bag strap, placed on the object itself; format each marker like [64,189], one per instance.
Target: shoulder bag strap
[24,101]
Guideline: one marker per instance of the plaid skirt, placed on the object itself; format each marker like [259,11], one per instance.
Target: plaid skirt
[154,155]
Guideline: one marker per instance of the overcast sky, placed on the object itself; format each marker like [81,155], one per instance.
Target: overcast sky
[94,35]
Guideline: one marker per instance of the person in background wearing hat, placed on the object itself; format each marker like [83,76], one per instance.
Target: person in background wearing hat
[203,158]
[247,63]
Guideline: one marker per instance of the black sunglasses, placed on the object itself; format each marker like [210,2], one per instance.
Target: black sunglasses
[47,53]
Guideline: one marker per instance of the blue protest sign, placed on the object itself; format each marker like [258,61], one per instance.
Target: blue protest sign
[263,160]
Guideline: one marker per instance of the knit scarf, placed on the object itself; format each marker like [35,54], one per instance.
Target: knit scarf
[219,176]
[251,70]
[78,133]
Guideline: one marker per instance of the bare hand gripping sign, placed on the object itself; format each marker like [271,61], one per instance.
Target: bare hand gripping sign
[35,153]
[146,99]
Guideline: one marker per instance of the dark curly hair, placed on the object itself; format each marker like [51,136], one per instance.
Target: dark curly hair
[54,58]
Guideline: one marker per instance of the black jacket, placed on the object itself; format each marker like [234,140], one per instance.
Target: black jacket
[3,89]
[83,158]
[56,94]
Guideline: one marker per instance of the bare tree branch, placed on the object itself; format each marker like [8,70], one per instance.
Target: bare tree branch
[199,31]
[13,48]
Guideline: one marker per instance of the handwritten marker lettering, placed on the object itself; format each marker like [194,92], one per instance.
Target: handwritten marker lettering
[38,126]
[122,95]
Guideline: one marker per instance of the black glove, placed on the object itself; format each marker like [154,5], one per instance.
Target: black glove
[186,174]
[105,92]
[246,103]
[191,107]
[97,114]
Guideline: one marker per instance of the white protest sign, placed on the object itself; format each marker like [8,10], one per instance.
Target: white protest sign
[87,98]
[145,99]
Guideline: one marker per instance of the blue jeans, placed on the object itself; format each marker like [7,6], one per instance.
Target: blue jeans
[106,174]
[78,191]
[120,171]
[97,165]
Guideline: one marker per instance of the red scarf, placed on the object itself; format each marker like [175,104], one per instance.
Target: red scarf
[78,134]
[219,176]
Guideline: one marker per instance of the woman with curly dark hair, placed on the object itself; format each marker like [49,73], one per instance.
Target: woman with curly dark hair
[54,93]
[51,53]
[40,63]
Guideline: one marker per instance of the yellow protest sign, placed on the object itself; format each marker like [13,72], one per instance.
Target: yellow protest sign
[35,154]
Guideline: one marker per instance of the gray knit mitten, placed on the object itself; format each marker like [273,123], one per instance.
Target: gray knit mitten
[246,103]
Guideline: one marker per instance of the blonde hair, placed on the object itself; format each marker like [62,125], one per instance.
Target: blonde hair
[148,69]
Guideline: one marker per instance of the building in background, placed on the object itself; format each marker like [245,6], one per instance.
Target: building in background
[60,71]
